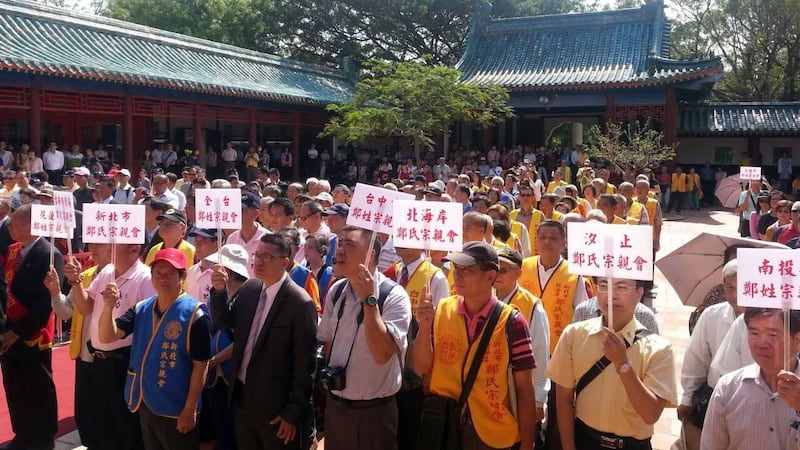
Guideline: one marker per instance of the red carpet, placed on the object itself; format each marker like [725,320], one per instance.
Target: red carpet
[64,376]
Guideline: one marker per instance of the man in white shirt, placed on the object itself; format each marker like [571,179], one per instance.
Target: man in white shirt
[309,219]
[249,237]
[157,156]
[125,193]
[704,344]
[198,277]
[161,191]
[170,157]
[750,408]
[5,156]
[53,160]
[229,157]
[172,178]
[117,427]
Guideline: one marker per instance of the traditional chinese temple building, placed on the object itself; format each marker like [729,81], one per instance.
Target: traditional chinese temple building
[72,78]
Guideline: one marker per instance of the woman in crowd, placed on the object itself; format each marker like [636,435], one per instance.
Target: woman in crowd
[316,247]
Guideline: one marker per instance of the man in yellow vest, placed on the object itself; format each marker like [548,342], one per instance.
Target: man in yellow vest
[635,213]
[604,174]
[85,399]
[677,189]
[527,214]
[509,292]
[653,209]
[547,276]
[557,181]
[447,344]
[612,380]
[548,205]
[608,204]
[414,273]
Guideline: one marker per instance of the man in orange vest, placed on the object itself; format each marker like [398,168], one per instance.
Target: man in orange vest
[444,351]
[653,209]
[677,190]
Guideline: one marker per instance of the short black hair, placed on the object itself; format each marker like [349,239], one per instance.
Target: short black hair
[285,203]
[366,237]
[291,235]
[279,241]
[552,224]
[794,317]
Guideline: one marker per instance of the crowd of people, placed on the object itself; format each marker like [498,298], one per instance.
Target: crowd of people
[299,326]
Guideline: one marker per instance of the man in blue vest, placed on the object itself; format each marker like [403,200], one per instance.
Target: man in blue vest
[169,354]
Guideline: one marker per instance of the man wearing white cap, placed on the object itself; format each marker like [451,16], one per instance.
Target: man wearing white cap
[83,194]
[125,193]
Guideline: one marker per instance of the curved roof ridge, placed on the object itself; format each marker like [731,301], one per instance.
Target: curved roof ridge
[108,25]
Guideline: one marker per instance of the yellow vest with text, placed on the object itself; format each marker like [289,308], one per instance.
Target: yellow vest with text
[557,295]
[524,301]
[76,326]
[618,221]
[489,401]
[416,281]
[634,214]
[537,217]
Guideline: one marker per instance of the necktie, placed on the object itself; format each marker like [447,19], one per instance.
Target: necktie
[404,277]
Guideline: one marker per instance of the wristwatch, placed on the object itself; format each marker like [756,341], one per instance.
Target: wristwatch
[624,367]
[371,301]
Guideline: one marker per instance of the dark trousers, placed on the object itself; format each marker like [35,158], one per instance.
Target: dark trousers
[221,417]
[54,177]
[552,438]
[471,441]
[31,396]
[85,405]
[708,192]
[676,200]
[350,428]
[587,439]
[409,408]
[118,428]
[160,433]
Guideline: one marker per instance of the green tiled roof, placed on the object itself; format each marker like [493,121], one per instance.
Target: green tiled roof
[622,48]
[44,40]
[740,119]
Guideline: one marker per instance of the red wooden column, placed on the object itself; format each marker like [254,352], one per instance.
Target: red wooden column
[671,118]
[128,132]
[253,138]
[35,124]
[295,152]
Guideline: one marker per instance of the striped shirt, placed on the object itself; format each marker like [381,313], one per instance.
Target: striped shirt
[519,336]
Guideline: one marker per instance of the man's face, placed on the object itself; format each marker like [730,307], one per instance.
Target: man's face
[204,246]
[627,191]
[497,184]
[166,278]
[105,190]
[626,296]
[549,242]
[472,280]
[729,288]
[336,222]
[407,254]
[526,198]
[473,231]
[279,218]
[171,231]
[339,196]
[508,276]
[292,192]
[765,337]
[22,179]
[351,252]
[307,220]
[642,190]
[9,181]
[755,185]
[69,181]
[160,185]
[264,215]
[546,206]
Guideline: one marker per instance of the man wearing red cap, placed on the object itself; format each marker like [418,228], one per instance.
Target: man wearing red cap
[169,354]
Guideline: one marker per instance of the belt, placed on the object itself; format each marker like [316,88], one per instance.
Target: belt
[360,404]
[610,440]
[119,353]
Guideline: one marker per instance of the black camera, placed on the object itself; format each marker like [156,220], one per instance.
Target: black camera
[333,378]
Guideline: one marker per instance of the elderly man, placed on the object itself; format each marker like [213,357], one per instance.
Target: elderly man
[249,236]
[756,406]
[697,375]
[162,192]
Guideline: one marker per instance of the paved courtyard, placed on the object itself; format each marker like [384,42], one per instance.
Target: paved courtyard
[673,316]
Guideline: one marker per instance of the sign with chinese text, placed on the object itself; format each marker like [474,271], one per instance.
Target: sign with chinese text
[64,204]
[428,225]
[768,278]
[47,222]
[617,251]
[371,207]
[218,208]
[113,224]
[747,173]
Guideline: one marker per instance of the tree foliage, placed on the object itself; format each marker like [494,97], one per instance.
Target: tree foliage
[758,40]
[629,146]
[323,31]
[414,101]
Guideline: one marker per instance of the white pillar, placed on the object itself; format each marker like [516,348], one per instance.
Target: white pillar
[577,133]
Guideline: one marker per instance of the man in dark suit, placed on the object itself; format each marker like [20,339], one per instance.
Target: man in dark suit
[27,339]
[274,324]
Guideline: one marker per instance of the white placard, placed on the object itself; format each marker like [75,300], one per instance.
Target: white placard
[428,225]
[46,222]
[747,173]
[64,203]
[218,208]
[113,224]
[371,207]
[768,278]
[617,251]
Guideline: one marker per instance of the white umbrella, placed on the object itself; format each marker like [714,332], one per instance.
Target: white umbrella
[694,268]
[730,187]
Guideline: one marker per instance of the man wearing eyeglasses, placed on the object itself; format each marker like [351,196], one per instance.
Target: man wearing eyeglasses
[250,235]
[309,222]
[274,323]
[527,214]
[616,404]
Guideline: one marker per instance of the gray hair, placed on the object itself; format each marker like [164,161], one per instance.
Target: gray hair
[325,185]
[730,269]
[219,183]
[596,215]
